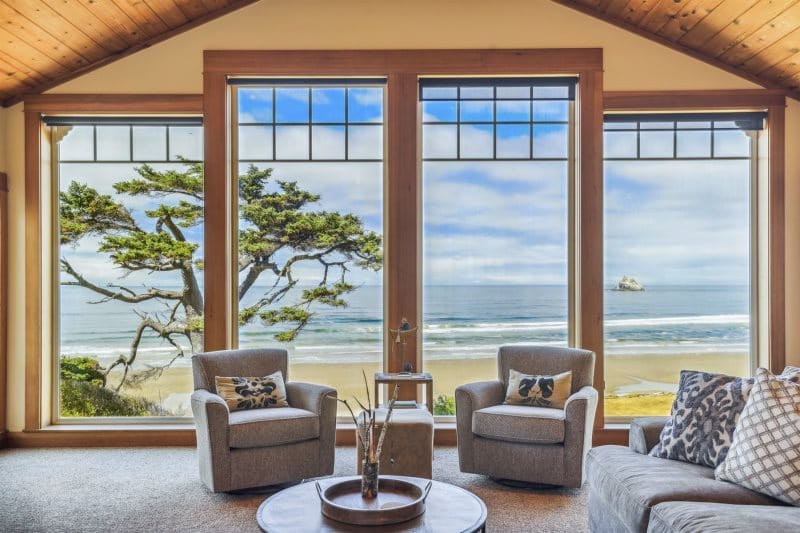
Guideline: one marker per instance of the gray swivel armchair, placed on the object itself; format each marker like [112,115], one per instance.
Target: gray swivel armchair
[524,443]
[259,447]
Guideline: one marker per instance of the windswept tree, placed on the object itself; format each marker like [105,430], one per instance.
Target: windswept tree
[280,230]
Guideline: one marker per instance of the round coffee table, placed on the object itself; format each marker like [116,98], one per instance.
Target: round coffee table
[297,510]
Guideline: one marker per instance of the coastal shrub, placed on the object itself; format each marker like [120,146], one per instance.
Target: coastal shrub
[82,392]
[85,369]
[444,405]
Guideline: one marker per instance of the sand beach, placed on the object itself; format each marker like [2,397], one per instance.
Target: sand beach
[635,384]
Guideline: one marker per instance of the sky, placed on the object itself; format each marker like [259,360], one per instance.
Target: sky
[484,222]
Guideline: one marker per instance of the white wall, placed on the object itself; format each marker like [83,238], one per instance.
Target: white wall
[631,63]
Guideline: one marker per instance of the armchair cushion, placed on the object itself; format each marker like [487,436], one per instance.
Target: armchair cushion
[252,392]
[538,391]
[520,423]
[257,428]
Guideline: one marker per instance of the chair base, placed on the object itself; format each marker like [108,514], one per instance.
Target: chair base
[265,489]
[516,484]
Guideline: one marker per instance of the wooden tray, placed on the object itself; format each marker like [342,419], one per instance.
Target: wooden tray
[397,501]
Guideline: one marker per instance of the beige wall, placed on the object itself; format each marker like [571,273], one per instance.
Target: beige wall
[176,66]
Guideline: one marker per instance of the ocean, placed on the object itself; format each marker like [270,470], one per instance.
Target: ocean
[459,322]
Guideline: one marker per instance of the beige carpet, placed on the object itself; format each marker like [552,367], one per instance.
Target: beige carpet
[158,489]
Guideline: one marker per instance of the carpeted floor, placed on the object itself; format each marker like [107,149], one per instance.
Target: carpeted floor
[158,489]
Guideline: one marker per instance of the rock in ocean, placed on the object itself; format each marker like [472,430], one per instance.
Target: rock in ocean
[627,283]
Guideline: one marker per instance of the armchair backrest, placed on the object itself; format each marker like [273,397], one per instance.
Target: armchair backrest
[254,362]
[546,360]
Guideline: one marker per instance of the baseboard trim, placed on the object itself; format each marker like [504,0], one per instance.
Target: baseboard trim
[443,435]
[97,438]
[3,438]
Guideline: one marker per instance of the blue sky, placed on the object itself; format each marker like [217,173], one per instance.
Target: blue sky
[499,222]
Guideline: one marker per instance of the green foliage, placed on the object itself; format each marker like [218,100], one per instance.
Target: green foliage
[83,392]
[444,405]
[80,398]
[81,369]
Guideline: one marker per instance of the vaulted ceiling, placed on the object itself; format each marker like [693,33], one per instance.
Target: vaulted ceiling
[46,42]
[756,39]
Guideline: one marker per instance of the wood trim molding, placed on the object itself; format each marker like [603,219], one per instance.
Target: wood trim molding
[418,62]
[589,263]
[36,275]
[705,100]
[100,437]
[33,273]
[776,124]
[217,211]
[402,226]
[403,255]
[3,301]
[173,104]
[774,101]
[444,435]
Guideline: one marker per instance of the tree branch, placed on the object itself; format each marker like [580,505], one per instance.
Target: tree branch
[131,297]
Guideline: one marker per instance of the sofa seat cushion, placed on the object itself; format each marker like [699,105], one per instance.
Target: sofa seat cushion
[520,423]
[632,483]
[257,428]
[721,518]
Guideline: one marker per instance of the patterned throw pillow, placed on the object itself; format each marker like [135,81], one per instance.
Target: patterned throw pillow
[765,453]
[538,391]
[704,415]
[252,393]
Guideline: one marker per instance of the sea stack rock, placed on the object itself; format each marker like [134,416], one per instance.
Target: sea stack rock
[627,283]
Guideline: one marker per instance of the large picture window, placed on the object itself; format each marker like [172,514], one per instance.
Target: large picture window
[130,264]
[310,224]
[497,165]
[679,216]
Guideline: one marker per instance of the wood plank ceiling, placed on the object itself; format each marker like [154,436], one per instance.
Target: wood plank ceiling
[46,42]
[756,39]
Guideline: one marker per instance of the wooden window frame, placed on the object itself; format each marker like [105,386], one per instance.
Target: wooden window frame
[3,302]
[770,254]
[402,253]
[38,375]
[402,69]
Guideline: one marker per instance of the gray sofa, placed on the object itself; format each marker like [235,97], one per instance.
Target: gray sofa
[631,491]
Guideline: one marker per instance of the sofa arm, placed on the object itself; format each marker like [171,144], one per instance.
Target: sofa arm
[645,433]
[211,426]
[309,396]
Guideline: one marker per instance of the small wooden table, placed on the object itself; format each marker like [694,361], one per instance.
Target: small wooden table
[297,510]
[417,378]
